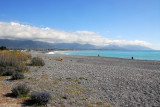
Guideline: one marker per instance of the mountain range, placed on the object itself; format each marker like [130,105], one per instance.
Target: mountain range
[29,44]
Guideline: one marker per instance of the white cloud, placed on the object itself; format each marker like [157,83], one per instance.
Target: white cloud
[14,30]
[86,33]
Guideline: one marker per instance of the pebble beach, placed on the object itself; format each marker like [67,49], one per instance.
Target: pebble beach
[83,81]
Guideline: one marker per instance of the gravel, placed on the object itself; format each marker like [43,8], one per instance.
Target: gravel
[83,80]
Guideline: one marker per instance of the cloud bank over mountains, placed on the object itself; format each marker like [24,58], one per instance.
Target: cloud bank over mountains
[15,30]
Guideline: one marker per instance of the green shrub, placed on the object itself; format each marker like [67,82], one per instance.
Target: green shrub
[37,61]
[9,73]
[21,90]
[17,76]
[22,69]
[2,71]
[40,98]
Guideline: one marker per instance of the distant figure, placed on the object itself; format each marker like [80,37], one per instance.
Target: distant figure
[132,57]
[98,54]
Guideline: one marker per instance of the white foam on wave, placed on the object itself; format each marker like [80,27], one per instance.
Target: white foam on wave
[50,53]
[62,52]
[59,52]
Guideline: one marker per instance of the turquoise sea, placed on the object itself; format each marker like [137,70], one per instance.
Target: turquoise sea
[142,55]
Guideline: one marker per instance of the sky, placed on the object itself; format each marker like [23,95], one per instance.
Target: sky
[98,22]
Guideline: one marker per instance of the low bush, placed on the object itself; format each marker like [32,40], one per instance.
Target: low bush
[22,69]
[8,73]
[2,70]
[37,61]
[17,76]
[40,98]
[21,90]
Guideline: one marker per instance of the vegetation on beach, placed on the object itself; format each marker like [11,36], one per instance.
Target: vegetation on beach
[17,75]
[21,90]
[22,69]
[9,73]
[13,58]
[2,71]
[40,98]
[15,64]
[37,61]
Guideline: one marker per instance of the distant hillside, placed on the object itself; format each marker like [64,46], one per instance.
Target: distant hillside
[126,47]
[29,44]
[75,46]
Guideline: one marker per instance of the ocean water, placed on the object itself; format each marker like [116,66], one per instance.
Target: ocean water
[141,55]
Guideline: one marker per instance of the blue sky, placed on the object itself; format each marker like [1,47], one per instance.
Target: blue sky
[122,20]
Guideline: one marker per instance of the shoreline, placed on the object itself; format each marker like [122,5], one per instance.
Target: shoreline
[98,56]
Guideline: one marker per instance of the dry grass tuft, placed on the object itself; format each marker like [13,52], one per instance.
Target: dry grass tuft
[13,58]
